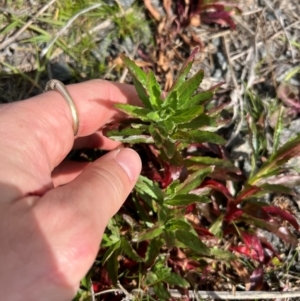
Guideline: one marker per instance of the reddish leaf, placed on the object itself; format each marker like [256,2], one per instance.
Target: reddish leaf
[216,86]
[232,212]
[283,214]
[280,231]
[190,208]
[257,211]
[289,150]
[217,186]
[256,279]
[171,173]
[253,243]
[220,16]
[246,193]
[96,287]
[202,231]
[268,246]
[249,252]
[180,263]
[289,94]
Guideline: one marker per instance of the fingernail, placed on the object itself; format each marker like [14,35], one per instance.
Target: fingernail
[130,161]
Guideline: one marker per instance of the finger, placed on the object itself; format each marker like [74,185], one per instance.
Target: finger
[41,135]
[85,206]
[94,101]
[47,118]
[67,171]
[64,228]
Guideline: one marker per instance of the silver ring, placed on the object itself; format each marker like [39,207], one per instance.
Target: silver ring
[56,85]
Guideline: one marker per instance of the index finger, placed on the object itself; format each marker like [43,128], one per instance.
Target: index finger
[47,117]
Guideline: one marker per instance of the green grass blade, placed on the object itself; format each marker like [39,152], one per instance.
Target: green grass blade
[277,130]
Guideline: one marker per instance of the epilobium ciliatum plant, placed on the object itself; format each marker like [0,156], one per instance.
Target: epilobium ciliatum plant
[182,219]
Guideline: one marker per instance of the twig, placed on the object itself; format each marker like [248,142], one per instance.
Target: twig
[260,43]
[92,291]
[125,292]
[8,11]
[238,92]
[110,291]
[20,31]
[68,24]
[251,12]
[237,19]
[105,24]
[267,48]
[279,18]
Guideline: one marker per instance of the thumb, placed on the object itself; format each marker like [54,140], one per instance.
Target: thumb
[73,217]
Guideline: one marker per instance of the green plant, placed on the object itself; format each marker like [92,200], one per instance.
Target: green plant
[182,219]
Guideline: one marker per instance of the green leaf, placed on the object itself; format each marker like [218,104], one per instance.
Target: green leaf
[145,186]
[150,234]
[141,210]
[164,213]
[117,136]
[186,115]
[154,116]
[108,240]
[112,226]
[154,91]
[129,251]
[175,160]
[108,253]
[289,150]
[211,161]
[193,181]
[86,282]
[201,98]
[222,254]
[276,188]
[187,199]
[139,80]
[134,111]
[175,279]
[216,227]
[153,250]
[142,93]
[11,26]
[171,189]
[198,122]
[178,224]
[198,136]
[125,132]
[277,130]
[182,75]
[151,278]
[168,127]
[192,241]
[112,267]
[161,292]
[169,148]
[171,100]
[161,270]
[161,141]
[188,88]
[169,237]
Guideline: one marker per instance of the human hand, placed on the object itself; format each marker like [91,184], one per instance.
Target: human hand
[49,232]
